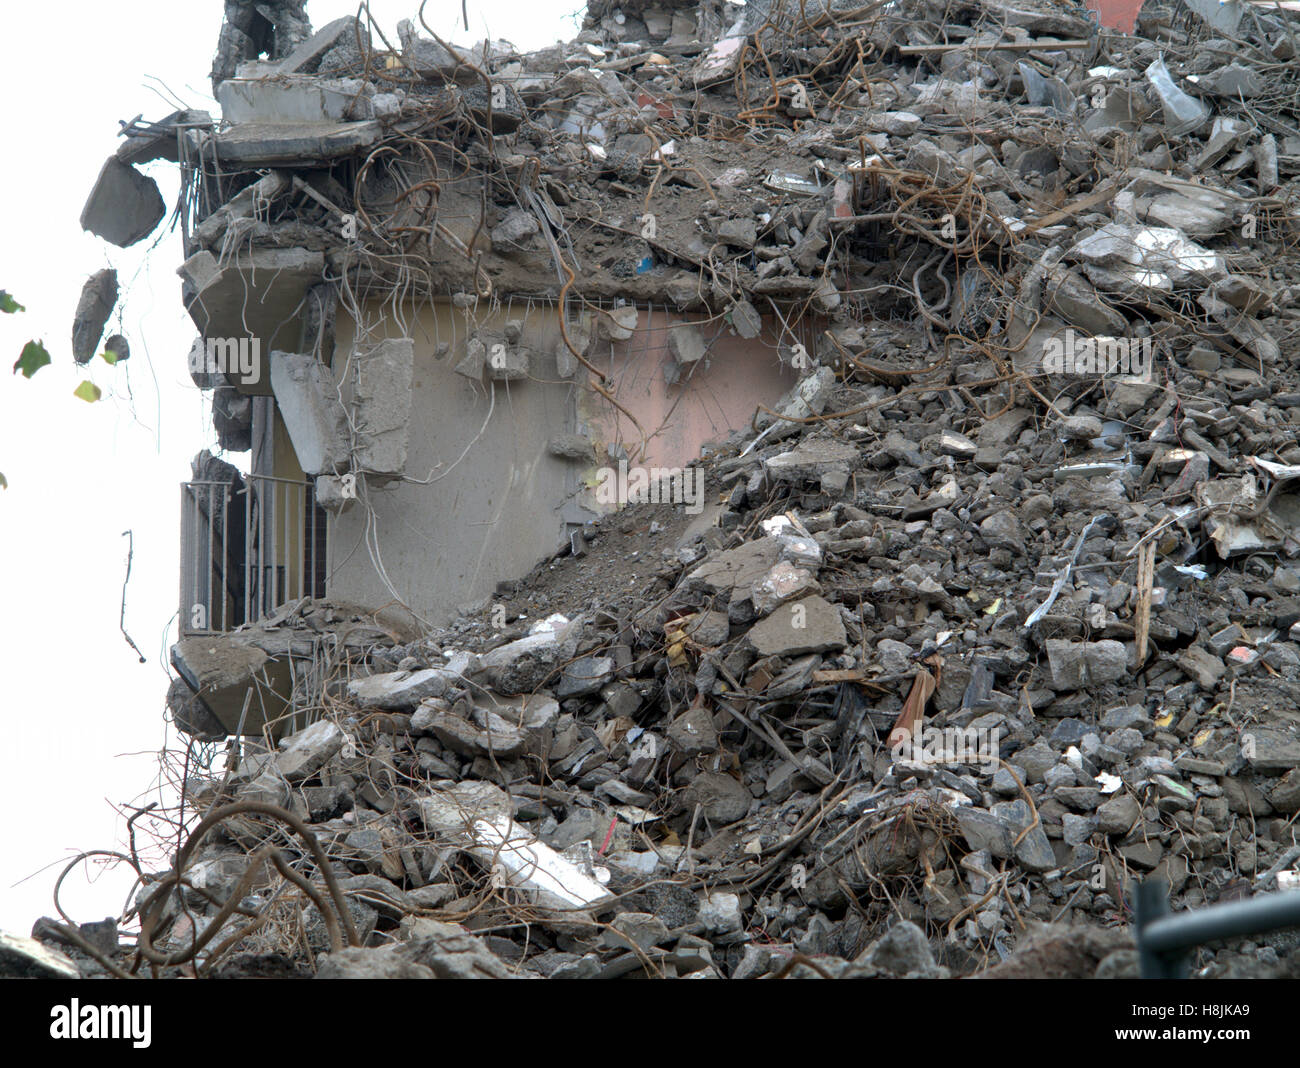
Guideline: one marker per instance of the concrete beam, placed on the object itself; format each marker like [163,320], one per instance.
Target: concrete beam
[383,407]
[291,99]
[273,144]
[313,414]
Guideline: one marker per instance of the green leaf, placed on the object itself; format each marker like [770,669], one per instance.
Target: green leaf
[4,482]
[109,357]
[88,391]
[8,304]
[33,358]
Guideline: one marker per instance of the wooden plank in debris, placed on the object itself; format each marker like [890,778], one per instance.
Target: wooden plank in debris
[1142,619]
[1097,196]
[839,675]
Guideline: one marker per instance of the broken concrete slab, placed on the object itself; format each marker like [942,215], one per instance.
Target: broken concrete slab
[225,672]
[245,204]
[585,675]
[124,206]
[686,343]
[266,144]
[812,459]
[1075,665]
[1079,304]
[26,958]
[190,715]
[736,569]
[304,753]
[1267,749]
[399,691]
[252,297]
[809,625]
[1152,257]
[306,55]
[808,398]
[451,952]
[288,99]
[313,415]
[477,815]
[98,299]
[495,738]
[382,401]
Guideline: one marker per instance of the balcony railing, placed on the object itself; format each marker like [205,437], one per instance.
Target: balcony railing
[247,547]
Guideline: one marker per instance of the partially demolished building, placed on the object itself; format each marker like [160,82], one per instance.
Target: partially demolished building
[977,321]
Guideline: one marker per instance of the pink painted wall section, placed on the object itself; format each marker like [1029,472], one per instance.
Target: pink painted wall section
[704,405]
[1116,14]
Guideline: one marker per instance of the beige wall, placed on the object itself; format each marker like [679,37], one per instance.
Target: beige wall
[497,511]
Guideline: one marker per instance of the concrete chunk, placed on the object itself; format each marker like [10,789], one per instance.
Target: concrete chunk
[686,343]
[811,459]
[585,675]
[98,298]
[359,962]
[221,669]
[271,144]
[26,958]
[254,296]
[383,407]
[243,205]
[305,753]
[306,56]
[811,625]
[125,205]
[313,415]
[451,952]
[287,99]
[571,447]
[807,399]
[335,495]
[398,690]
[1078,664]
[736,569]
[477,815]
[505,363]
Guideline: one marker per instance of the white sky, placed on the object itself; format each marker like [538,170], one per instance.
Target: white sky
[82,718]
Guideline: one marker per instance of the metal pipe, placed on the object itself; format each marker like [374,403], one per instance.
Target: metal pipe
[1163,938]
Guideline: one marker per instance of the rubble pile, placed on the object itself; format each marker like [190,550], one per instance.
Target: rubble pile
[998,609]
